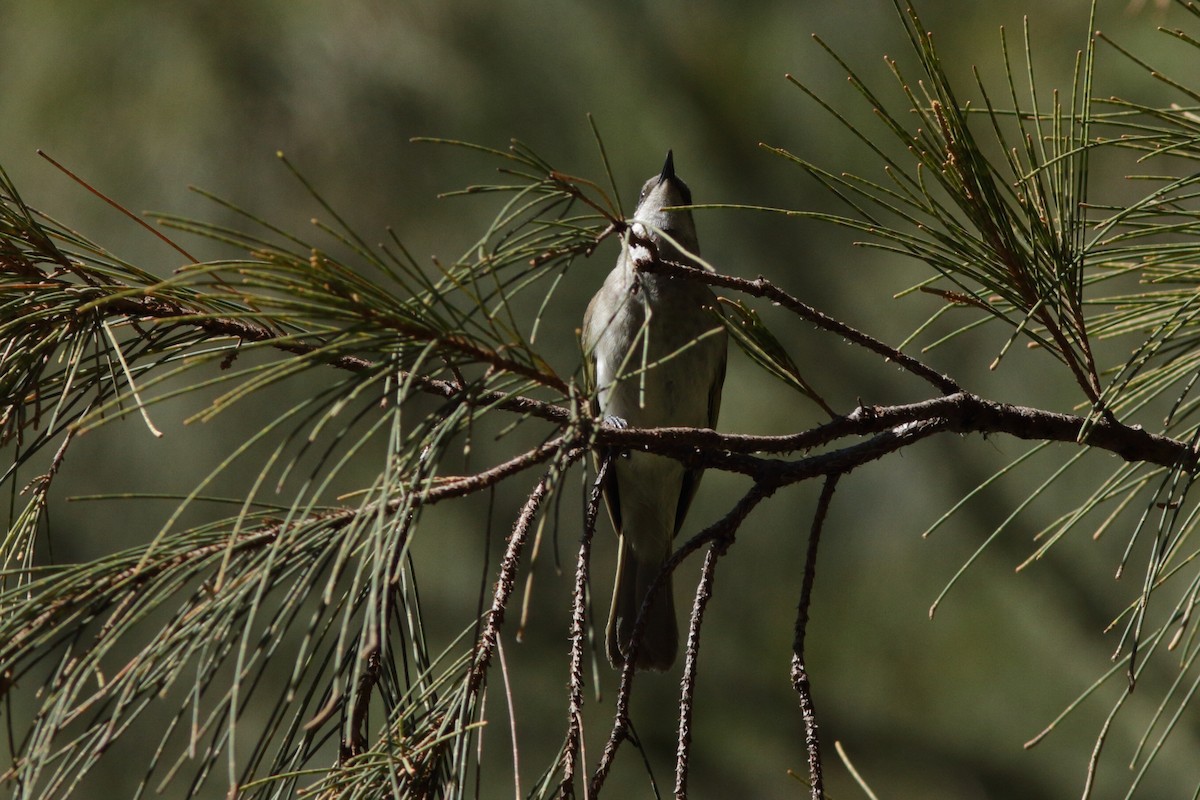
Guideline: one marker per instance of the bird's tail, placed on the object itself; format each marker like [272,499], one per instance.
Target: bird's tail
[660,635]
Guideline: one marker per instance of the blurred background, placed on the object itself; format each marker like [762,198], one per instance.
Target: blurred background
[144,99]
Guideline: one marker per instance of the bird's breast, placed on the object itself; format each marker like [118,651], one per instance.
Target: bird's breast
[658,353]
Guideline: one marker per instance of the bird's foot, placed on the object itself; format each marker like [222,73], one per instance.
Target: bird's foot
[613,421]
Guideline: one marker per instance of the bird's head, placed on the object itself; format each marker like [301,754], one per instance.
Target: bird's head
[658,211]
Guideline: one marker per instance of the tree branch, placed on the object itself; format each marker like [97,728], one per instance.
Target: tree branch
[157,308]
[687,684]
[726,526]
[166,310]
[761,287]
[958,413]
[800,681]
[572,751]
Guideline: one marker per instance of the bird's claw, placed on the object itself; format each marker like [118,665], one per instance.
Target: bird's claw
[619,423]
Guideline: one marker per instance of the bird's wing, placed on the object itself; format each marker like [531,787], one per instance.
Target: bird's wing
[691,478]
[612,499]
[714,392]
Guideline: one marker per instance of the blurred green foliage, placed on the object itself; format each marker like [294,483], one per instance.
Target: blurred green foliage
[144,98]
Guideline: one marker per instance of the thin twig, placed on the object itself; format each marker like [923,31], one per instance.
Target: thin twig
[572,753]
[508,568]
[687,684]
[362,700]
[761,287]
[800,681]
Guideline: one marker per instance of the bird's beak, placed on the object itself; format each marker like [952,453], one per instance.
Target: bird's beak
[668,170]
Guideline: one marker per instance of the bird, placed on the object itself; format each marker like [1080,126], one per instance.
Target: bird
[656,350]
